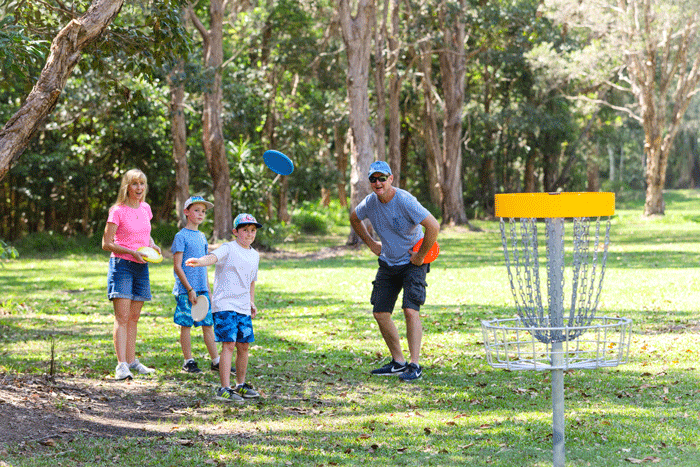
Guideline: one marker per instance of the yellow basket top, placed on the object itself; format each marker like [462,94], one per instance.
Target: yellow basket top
[545,205]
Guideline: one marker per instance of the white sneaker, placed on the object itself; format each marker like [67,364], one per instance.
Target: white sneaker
[141,368]
[122,372]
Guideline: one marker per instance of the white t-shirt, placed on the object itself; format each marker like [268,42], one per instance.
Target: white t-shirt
[236,270]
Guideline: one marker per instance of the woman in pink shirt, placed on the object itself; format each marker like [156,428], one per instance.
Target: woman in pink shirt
[128,283]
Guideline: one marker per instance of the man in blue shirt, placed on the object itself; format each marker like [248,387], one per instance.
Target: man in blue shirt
[397,217]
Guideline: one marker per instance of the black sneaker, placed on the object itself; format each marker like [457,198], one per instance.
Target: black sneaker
[390,369]
[191,367]
[246,391]
[216,368]
[413,372]
[227,395]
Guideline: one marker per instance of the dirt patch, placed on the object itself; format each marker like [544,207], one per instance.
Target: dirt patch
[323,253]
[35,409]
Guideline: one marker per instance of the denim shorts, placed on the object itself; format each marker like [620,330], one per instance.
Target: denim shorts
[230,326]
[183,312]
[389,282]
[128,279]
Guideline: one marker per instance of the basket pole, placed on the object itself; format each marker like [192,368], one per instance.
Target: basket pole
[555,246]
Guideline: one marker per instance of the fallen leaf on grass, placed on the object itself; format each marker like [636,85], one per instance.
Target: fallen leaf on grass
[652,459]
[364,436]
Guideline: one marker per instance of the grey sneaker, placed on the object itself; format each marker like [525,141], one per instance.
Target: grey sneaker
[228,395]
[216,368]
[191,367]
[246,391]
[122,372]
[390,369]
[413,372]
[141,368]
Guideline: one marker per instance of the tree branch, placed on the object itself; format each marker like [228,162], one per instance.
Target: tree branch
[66,51]
[607,104]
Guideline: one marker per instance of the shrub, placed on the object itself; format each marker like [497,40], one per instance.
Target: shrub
[274,234]
[312,223]
[164,234]
[50,242]
[7,251]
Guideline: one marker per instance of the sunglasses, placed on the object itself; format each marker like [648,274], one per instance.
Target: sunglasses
[381,179]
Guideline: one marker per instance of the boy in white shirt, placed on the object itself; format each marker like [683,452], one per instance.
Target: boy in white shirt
[233,304]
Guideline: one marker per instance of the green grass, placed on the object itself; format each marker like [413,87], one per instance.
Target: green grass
[316,341]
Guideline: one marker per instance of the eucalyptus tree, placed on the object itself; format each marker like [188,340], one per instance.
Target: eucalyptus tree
[281,91]
[451,32]
[649,48]
[97,119]
[178,134]
[66,51]
[212,124]
[357,34]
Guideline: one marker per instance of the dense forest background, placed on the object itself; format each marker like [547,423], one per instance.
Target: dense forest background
[544,106]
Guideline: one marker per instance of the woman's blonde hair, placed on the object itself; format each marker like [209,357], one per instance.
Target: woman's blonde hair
[128,178]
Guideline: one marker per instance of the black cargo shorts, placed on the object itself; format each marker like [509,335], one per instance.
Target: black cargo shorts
[391,279]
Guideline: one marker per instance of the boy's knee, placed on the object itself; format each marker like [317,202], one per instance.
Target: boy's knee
[243,346]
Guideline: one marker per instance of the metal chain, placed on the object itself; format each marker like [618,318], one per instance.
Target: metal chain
[603,262]
[522,265]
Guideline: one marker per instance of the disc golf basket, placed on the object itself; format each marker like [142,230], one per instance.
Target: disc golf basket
[545,336]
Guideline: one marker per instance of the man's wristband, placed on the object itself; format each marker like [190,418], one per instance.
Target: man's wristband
[189,290]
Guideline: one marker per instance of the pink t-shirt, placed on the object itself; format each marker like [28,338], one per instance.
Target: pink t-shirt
[133,227]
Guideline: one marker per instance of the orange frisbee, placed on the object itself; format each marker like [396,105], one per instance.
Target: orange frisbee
[432,253]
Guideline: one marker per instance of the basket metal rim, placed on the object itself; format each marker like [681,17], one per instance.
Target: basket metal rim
[615,322]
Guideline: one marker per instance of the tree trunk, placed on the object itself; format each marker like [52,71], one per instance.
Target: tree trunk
[394,158]
[357,36]
[379,84]
[593,170]
[530,180]
[431,134]
[452,68]
[66,50]
[178,132]
[341,163]
[487,182]
[212,125]
[282,210]
[655,178]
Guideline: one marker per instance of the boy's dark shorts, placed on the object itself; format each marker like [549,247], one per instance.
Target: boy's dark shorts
[389,282]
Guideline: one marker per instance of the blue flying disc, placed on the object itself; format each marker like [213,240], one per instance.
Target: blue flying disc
[278,162]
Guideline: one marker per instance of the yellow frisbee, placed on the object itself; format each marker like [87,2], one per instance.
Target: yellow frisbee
[150,254]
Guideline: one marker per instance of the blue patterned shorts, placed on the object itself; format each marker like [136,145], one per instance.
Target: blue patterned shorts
[183,312]
[230,326]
